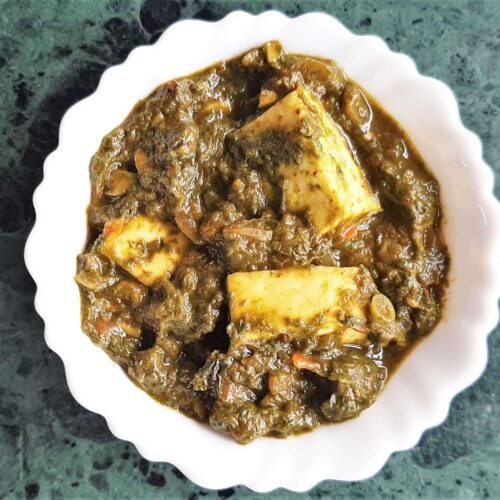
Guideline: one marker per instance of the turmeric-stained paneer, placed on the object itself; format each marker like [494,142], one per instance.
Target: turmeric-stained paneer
[147,248]
[322,178]
[301,301]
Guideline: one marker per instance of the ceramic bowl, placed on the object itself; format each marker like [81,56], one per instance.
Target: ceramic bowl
[418,395]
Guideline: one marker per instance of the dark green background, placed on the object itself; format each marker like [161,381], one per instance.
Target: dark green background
[51,55]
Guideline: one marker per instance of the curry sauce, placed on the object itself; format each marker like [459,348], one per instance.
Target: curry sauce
[264,245]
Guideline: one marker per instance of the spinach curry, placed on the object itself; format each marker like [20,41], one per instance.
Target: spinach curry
[264,245]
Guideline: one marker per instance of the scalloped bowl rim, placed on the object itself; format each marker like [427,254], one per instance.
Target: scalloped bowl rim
[456,352]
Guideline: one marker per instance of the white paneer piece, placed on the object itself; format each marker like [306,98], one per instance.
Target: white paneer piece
[147,248]
[301,301]
[326,182]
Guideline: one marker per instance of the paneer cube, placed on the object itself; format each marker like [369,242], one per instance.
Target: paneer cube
[147,248]
[301,301]
[325,179]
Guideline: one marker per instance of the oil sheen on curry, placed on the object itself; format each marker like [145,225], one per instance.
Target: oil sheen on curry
[264,245]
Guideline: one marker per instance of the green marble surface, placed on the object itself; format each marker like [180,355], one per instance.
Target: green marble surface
[51,55]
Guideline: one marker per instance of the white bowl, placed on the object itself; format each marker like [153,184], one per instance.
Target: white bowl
[416,398]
